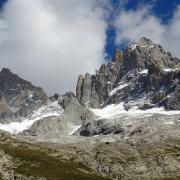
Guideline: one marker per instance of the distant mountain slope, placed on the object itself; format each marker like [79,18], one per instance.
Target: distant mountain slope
[18,98]
[145,76]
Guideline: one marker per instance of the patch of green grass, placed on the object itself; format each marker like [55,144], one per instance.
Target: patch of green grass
[38,163]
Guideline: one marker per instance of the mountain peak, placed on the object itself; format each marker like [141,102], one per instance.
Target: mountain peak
[20,96]
[144,63]
[5,70]
[143,41]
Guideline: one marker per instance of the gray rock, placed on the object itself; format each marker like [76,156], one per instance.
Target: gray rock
[145,69]
[74,114]
[93,90]
[173,102]
[19,97]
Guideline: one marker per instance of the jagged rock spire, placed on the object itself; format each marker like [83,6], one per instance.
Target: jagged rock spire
[118,56]
[79,86]
[93,90]
[140,69]
[143,41]
[145,53]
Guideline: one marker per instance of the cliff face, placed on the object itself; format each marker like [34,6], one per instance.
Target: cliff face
[145,75]
[93,90]
[18,98]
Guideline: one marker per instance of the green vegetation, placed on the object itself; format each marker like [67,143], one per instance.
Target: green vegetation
[154,161]
[36,162]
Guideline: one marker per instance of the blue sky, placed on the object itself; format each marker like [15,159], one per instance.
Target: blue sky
[2,2]
[163,9]
[51,42]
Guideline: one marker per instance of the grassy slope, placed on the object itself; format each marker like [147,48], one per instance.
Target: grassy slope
[142,161]
[33,161]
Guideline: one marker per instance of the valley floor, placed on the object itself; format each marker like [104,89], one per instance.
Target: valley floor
[133,145]
[23,161]
[85,160]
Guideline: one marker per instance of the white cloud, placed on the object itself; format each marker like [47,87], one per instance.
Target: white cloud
[133,24]
[51,42]
[171,37]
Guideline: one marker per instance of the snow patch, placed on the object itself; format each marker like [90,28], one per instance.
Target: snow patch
[74,129]
[87,103]
[152,46]
[133,46]
[170,70]
[134,103]
[114,111]
[30,96]
[109,82]
[51,109]
[148,46]
[167,70]
[121,86]
[145,71]
[129,123]
[169,122]
[13,99]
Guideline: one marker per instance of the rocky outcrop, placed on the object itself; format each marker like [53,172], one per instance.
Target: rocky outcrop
[173,102]
[93,90]
[145,75]
[19,98]
[73,110]
[5,110]
[145,53]
[65,121]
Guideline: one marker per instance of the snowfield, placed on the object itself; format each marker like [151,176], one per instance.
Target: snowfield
[112,111]
[51,109]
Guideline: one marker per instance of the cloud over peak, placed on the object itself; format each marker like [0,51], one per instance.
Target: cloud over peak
[130,25]
[52,42]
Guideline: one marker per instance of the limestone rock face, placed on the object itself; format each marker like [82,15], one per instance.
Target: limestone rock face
[18,98]
[144,70]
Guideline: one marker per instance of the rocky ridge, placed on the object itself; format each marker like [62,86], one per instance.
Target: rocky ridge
[144,71]
[93,90]
[18,98]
